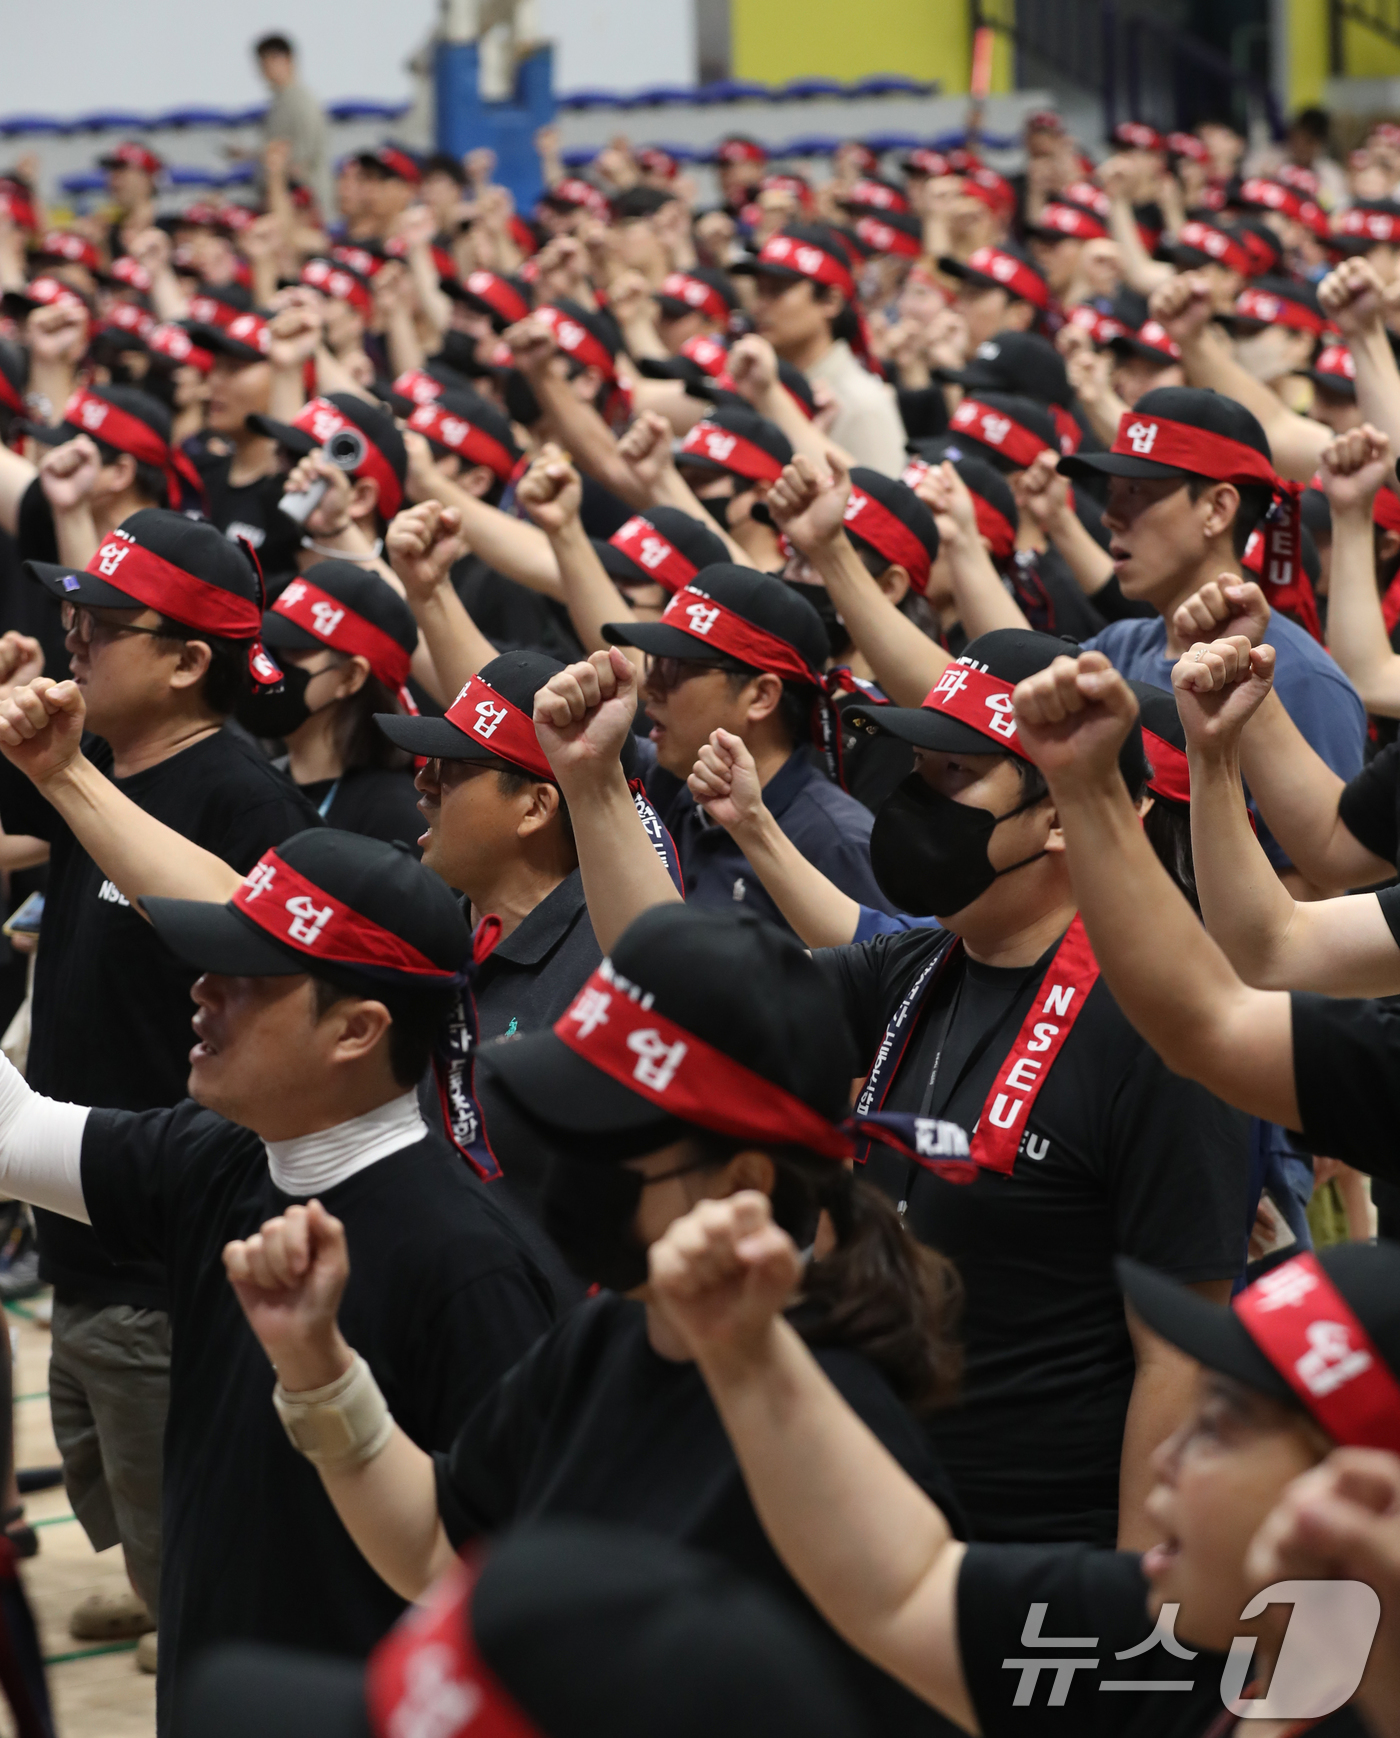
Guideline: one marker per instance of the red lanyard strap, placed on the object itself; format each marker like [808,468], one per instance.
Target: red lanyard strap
[1310,1334]
[343,629]
[640,541]
[320,419]
[995,429]
[489,718]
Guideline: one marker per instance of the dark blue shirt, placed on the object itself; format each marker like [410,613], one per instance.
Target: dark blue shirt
[828,826]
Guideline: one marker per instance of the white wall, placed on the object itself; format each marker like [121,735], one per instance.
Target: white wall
[73,56]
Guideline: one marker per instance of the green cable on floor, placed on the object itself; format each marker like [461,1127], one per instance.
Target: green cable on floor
[38,1394]
[91,1653]
[53,1520]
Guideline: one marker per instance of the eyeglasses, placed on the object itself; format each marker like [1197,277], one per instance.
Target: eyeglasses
[669,673]
[94,630]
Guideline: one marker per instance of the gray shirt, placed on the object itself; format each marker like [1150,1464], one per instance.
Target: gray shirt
[295,115]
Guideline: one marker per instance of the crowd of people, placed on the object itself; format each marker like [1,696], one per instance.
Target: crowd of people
[770,813]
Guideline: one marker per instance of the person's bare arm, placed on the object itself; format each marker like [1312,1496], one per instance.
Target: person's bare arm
[575,425]
[582,717]
[1352,298]
[983,601]
[551,492]
[1044,495]
[519,551]
[1140,271]
[1353,468]
[646,451]
[809,508]
[41,732]
[422,544]
[753,366]
[1183,306]
[68,474]
[1168,976]
[725,783]
[295,335]
[1088,372]
[57,337]
[882,1566]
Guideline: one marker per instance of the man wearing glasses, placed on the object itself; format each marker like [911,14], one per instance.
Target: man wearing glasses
[161,631]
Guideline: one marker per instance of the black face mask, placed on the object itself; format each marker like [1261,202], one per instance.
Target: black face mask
[589,1208]
[929,854]
[281,711]
[717,506]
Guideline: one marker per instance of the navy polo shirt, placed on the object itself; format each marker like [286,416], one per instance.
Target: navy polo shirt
[828,826]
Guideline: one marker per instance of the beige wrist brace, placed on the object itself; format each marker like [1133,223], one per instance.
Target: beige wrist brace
[342,1425]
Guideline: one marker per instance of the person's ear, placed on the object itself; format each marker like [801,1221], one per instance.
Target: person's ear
[1055,838]
[478,481]
[543,807]
[894,583]
[353,1029]
[120,475]
[1145,805]
[364,497]
[1221,502]
[765,695]
[749,1169]
[195,659]
[353,677]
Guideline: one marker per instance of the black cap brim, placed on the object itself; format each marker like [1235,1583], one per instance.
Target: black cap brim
[218,342]
[555,1086]
[295,440]
[1115,465]
[922,727]
[433,738]
[213,938]
[1339,385]
[955,268]
[1210,1333]
[276,1692]
[48,434]
[1127,346]
[73,585]
[661,640]
[753,268]
[620,568]
[282,634]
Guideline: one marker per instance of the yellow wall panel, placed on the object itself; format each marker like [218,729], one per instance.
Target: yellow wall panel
[777,40]
[1307,52]
[1366,55]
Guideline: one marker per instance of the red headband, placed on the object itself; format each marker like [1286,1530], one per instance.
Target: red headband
[1271,310]
[708,352]
[875,524]
[359,259]
[1066,220]
[808,261]
[1102,328]
[1171,775]
[466,438]
[707,440]
[176,344]
[63,244]
[498,295]
[1373,225]
[866,192]
[1273,195]
[695,293]
[128,434]
[210,311]
[303,916]
[1310,1334]
[1000,432]
[980,700]
[1137,136]
[320,419]
[703,617]
[1093,198]
[640,541]
[1222,248]
[992,523]
[1387,510]
[339,283]
[1336,359]
[1011,274]
[343,628]
[1153,336]
[1188,145]
[49,292]
[885,238]
[127,317]
[613,1025]
[577,341]
[485,715]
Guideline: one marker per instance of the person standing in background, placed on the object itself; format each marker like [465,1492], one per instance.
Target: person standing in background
[295,116]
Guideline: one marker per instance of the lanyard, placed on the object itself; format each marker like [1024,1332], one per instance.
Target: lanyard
[327,800]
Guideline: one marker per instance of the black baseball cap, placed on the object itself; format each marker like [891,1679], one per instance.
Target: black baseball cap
[244,337]
[1366,1275]
[503,299]
[759,598]
[1149,341]
[675,303]
[1028,413]
[515,676]
[1003,266]
[469,426]
[695,542]
[899,233]
[376,425]
[819,235]
[640,201]
[785,1027]
[1196,407]
[382,883]
[362,591]
[700,450]
[130,400]
[586,1631]
[874,531]
[1010,654]
[1019,363]
[192,545]
[1365,224]
[1254,309]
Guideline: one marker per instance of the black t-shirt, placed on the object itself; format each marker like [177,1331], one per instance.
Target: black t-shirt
[26,606]
[593,1423]
[1369,806]
[1097,1601]
[248,509]
[379,801]
[442,1299]
[111,1018]
[1050,596]
[1120,1157]
[513,617]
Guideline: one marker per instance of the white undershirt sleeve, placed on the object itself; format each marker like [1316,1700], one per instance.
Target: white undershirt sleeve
[41,1147]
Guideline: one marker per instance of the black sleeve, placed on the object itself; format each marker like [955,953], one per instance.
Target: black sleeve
[1180,1193]
[924,411]
[23,810]
[857,975]
[1109,601]
[251,831]
[1346,1071]
[133,1163]
[35,536]
[1097,1602]
[1370,803]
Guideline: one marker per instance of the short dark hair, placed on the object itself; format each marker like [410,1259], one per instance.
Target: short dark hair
[275,43]
[149,480]
[795,706]
[415,1022]
[1315,122]
[358,739]
[444,163]
[511,783]
[226,680]
[1255,501]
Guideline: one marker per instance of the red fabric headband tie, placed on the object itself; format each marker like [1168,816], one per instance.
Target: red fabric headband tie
[707,440]
[695,293]
[980,700]
[810,261]
[320,419]
[1171,776]
[489,718]
[998,431]
[128,434]
[872,521]
[613,1025]
[346,631]
[1014,275]
[640,541]
[461,436]
[577,341]
[1310,1334]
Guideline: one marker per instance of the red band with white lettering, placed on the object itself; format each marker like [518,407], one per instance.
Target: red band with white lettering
[703,617]
[613,1025]
[575,340]
[490,719]
[174,343]
[1058,1004]
[1011,274]
[1191,449]
[128,434]
[992,523]
[808,261]
[1171,771]
[707,440]
[994,429]
[1217,244]
[640,541]
[703,298]
[1068,220]
[1369,225]
[415,384]
[461,436]
[344,629]
[503,300]
[1102,328]
[320,419]
[1336,360]
[885,238]
[708,352]
[304,917]
[1271,310]
[339,283]
[1310,1334]
[161,585]
[979,700]
[426,1676]
[873,523]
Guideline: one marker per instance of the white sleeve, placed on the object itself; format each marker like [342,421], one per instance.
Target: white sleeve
[41,1147]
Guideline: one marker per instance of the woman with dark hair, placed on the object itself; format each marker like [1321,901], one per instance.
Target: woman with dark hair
[706,1056]
[344,639]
